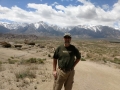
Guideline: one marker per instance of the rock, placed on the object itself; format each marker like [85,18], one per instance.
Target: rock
[27,80]
[5,44]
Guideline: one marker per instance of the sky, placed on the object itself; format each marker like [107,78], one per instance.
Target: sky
[62,12]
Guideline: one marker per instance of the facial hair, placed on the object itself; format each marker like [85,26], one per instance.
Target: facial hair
[67,42]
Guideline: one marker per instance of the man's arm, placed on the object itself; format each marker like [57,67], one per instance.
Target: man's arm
[54,68]
[76,61]
[54,64]
[78,56]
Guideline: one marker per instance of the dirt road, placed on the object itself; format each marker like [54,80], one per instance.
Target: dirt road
[92,76]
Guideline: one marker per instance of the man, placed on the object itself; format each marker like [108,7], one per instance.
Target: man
[67,56]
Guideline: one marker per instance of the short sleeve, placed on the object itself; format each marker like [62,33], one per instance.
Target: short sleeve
[55,56]
[77,53]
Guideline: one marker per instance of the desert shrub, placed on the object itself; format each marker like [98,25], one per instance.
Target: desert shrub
[12,57]
[83,59]
[89,55]
[1,67]
[12,61]
[41,61]
[24,74]
[42,46]
[115,54]
[0,62]
[116,60]
[35,87]
[49,55]
[32,67]
[33,60]
[104,59]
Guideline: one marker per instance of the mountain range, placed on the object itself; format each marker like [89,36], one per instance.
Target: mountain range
[43,29]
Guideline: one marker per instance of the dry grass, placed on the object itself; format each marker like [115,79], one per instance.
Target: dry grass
[1,68]
[33,60]
[26,73]
[100,51]
[10,61]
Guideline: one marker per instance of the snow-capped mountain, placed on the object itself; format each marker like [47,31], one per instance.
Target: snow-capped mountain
[42,28]
[91,27]
[41,24]
[14,25]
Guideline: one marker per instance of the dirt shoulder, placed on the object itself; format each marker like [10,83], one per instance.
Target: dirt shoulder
[93,76]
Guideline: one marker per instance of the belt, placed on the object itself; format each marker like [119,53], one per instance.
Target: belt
[65,70]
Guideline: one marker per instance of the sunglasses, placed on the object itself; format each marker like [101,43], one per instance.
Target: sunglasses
[66,37]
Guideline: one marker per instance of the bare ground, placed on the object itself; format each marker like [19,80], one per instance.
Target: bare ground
[88,75]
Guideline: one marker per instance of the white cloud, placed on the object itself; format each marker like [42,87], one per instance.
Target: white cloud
[55,3]
[106,7]
[85,2]
[61,15]
[60,7]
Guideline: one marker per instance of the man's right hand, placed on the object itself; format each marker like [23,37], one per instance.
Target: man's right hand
[55,74]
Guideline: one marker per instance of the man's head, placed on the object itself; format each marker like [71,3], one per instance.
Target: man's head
[67,39]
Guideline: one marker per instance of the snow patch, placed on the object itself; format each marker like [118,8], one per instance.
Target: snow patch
[36,25]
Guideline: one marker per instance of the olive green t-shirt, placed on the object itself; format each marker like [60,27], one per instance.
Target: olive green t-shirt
[66,56]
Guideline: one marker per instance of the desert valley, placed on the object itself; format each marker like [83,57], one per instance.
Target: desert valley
[26,64]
